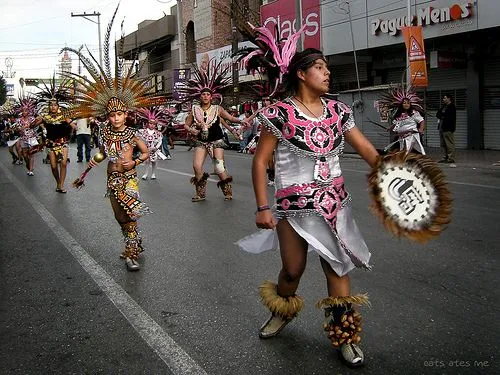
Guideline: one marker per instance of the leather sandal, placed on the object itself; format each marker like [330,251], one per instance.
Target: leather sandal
[352,355]
[273,326]
[132,265]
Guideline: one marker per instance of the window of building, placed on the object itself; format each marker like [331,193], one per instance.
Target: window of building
[190,43]
[491,99]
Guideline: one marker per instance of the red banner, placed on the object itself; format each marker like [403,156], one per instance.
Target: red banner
[281,15]
[414,42]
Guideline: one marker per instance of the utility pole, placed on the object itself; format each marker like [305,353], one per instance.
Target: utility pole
[98,15]
[180,33]
[354,50]
[234,49]
[79,61]
[298,24]
[408,72]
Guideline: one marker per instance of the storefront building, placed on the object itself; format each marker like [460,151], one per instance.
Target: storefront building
[462,51]
[194,32]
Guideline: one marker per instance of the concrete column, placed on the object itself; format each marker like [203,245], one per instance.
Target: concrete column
[475,131]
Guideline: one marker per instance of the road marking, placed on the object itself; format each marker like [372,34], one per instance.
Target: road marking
[177,360]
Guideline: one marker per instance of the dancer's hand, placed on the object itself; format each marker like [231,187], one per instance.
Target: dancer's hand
[128,164]
[265,219]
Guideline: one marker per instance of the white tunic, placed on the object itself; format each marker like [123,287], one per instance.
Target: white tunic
[341,243]
[407,129]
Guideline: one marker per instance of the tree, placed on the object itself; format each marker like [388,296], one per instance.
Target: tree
[3,91]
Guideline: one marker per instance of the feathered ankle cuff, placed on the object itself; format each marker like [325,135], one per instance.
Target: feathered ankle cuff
[286,307]
[343,322]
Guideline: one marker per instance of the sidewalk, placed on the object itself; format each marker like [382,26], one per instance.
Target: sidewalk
[464,158]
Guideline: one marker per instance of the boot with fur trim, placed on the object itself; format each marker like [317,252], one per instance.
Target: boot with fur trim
[283,309]
[133,245]
[226,187]
[343,325]
[200,187]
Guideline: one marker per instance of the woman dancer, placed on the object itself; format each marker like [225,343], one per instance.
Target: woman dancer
[313,212]
[58,125]
[29,141]
[407,121]
[154,118]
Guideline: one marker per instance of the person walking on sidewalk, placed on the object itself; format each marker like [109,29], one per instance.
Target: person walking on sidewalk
[83,137]
[447,123]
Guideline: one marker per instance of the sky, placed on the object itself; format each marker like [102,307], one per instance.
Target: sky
[32,32]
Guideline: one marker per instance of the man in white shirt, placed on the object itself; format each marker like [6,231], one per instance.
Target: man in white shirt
[83,135]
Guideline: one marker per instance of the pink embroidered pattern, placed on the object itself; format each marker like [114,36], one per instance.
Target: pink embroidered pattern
[270,112]
[319,137]
[288,130]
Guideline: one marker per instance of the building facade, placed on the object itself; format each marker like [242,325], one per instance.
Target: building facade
[462,51]
[194,30]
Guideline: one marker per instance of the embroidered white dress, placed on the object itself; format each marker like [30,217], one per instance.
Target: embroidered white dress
[310,191]
[153,139]
[406,128]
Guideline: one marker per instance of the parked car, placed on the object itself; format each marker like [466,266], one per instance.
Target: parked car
[180,134]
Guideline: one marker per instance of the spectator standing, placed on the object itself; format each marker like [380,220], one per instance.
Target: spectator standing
[447,122]
[83,137]
[166,131]
[246,129]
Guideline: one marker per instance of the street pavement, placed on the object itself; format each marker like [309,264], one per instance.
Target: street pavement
[69,306]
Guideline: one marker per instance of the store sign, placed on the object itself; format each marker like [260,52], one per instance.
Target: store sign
[424,17]
[414,41]
[9,87]
[280,16]
[208,60]
[181,76]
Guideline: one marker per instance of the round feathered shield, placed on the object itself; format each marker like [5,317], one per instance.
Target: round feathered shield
[410,195]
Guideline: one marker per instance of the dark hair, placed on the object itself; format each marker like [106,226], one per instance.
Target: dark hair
[449,96]
[300,61]
[400,109]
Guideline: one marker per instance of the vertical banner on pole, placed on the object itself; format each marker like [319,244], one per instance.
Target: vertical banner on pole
[414,42]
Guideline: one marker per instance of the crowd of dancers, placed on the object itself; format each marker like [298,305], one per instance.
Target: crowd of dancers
[298,146]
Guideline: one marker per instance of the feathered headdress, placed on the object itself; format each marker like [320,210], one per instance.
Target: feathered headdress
[159,115]
[214,79]
[263,90]
[103,93]
[7,109]
[27,104]
[397,94]
[272,56]
[52,91]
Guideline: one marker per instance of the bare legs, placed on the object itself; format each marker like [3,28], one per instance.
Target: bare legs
[293,258]
[28,159]
[199,157]
[59,168]
[133,242]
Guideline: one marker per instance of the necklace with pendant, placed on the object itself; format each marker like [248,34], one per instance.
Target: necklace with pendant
[322,173]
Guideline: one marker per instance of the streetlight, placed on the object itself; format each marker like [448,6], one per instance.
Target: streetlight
[98,15]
